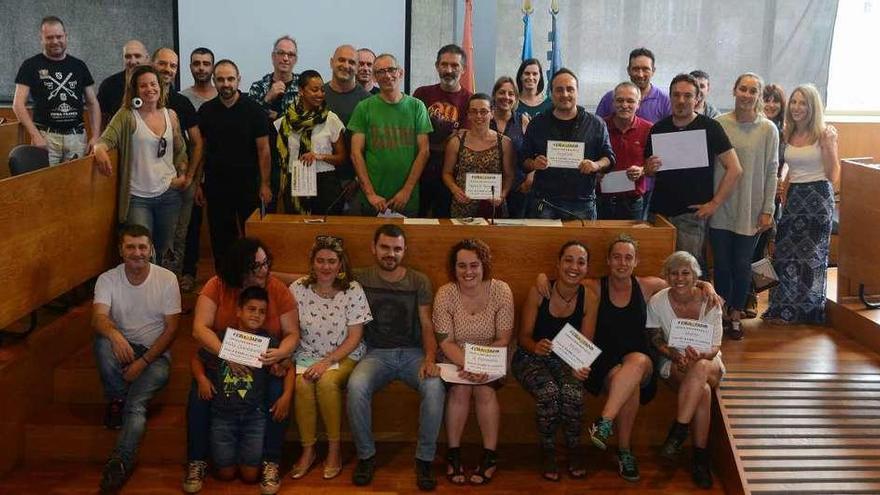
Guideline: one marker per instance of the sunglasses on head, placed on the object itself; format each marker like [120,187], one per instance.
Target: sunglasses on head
[330,241]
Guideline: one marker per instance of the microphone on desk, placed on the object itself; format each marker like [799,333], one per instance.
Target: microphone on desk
[560,209]
[492,220]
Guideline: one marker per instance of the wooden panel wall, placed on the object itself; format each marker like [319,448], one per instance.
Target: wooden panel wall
[58,230]
[857,139]
[859,229]
[10,136]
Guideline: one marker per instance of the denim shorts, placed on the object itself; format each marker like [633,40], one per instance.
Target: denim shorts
[237,437]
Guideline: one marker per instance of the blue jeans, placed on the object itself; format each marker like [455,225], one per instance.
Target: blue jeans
[378,368]
[160,215]
[136,394]
[237,437]
[181,230]
[583,208]
[620,207]
[690,236]
[732,255]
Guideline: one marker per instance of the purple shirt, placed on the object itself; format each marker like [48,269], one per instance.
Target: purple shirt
[653,107]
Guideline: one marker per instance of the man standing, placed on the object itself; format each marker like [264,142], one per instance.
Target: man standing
[366,58]
[342,94]
[277,89]
[654,101]
[112,89]
[135,315]
[389,145]
[61,86]
[565,189]
[235,131]
[165,60]
[687,196]
[201,66]
[628,133]
[447,104]
[703,105]
[400,346]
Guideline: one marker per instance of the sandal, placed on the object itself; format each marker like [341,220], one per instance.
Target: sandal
[487,468]
[549,468]
[576,467]
[454,469]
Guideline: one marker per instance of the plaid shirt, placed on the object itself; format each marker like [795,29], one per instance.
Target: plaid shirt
[260,88]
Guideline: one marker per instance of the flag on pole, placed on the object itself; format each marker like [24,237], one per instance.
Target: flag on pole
[467,44]
[555,53]
[527,30]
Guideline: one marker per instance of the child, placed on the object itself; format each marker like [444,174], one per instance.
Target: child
[237,394]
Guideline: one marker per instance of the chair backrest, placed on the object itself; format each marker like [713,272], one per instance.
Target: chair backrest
[25,158]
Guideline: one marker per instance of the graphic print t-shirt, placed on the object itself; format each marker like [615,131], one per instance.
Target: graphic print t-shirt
[236,393]
[57,88]
[395,308]
[448,113]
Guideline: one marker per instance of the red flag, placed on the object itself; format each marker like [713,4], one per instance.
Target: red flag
[467,44]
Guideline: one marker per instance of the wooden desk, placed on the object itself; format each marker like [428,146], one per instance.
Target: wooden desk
[859,228]
[11,135]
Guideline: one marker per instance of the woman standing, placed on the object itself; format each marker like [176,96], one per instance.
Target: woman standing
[692,372]
[473,309]
[557,389]
[748,211]
[332,310]
[152,159]
[530,80]
[507,121]
[309,132]
[804,232]
[478,150]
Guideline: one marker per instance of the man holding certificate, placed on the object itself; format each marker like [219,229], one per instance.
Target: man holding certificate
[682,150]
[567,148]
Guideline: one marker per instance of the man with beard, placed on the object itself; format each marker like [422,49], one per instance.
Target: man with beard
[201,66]
[135,315]
[342,94]
[400,346]
[447,104]
[366,58]
[278,88]
[236,135]
[112,89]
[165,61]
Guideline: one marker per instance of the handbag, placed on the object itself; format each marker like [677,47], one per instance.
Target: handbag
[763,275]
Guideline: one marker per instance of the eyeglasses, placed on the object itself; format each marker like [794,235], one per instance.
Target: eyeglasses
[257,265]
[330,241]
[163,147]
[388,71]
[282,53]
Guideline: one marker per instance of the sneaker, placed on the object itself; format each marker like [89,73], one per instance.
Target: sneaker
[363,471]
[671,448]
[425,479]
[270,481]
[187,284]
[195,476]
[735,332]
[113,414]
[113,476]
[600,430]
[627,465]
[702,474]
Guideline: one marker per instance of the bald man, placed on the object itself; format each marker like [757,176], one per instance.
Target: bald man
[112,89]
[343,93]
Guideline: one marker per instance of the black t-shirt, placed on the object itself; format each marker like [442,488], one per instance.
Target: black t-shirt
[186,112]
[57,88]
[676,190]
[110,93]
[236,394]
[342,104]
[231,134]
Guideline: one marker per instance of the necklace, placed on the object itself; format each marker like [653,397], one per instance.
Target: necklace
[325,293]
[568,301]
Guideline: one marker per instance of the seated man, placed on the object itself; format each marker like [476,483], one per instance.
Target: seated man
[400,346]
[136,310]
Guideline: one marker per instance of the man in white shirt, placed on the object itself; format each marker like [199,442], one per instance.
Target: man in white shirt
[135,314]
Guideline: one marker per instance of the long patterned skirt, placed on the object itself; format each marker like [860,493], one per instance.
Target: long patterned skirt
[801,255]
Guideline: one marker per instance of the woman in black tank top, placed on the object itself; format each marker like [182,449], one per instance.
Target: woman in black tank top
[557,389]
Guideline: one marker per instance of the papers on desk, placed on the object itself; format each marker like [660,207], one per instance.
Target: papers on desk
[572,347]
[681,150]
[565,154]
[485,359]
[686,332]
[510,222]
[449,374]
[469,221]
[543,222]
[617,182]
[243,348]
[482,186]
[303,179]
[389,213]
[421,221]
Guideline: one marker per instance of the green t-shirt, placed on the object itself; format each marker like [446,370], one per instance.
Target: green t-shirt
[390,141]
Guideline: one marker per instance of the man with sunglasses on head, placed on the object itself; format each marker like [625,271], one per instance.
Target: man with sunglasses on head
[389,145]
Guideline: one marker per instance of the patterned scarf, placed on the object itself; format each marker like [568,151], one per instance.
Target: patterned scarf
[297,119]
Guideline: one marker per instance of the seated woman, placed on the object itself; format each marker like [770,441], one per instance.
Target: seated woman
[474,309]
[557,389]
[692,372]
[332,311]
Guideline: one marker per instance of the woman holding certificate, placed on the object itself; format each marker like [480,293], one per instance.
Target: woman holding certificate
[478,165]
[332,310]
[557,388]
[309,142]
[472,309]
[687,336]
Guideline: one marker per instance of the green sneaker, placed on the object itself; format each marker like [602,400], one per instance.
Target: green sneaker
[600,430]
[627,465]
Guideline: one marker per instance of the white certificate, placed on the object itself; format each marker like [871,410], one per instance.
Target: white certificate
[421,221]
[449,374]
[243,348]
[485,359]
[677,150]
[469,221]
[482,186]
[617,182]
[565,154]
[572,347]
[303,178]
[685,332]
